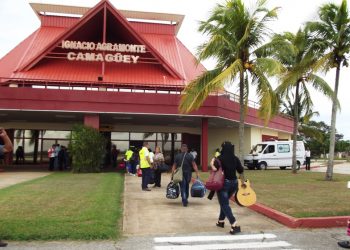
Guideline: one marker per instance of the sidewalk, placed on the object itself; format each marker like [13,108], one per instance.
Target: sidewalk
[151,213]
[340,168]
[11,178]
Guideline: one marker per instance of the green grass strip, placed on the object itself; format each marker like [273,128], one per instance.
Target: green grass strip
[63,206]
[305,194]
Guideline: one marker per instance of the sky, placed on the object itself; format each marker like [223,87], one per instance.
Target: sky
[17,21]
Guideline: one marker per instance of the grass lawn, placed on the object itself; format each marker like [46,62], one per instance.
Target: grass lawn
[305,194]
[63,206]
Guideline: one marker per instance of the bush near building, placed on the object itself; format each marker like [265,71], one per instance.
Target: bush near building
[88,148]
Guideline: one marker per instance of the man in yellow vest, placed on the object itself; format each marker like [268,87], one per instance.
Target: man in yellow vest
[128,163]
[145,165]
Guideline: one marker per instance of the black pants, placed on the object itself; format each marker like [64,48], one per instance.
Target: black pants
[146,176]
[308,160]
[157,177]
[52,164]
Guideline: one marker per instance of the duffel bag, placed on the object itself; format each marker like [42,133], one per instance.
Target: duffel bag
[198,189]
[172,190]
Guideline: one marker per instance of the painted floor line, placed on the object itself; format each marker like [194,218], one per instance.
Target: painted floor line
[247,245]
[213,238]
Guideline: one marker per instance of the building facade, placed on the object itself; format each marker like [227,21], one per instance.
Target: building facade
[121,72]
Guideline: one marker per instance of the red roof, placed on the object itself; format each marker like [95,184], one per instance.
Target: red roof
[166,62]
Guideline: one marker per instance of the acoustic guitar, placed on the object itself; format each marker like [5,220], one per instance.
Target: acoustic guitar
[245,196]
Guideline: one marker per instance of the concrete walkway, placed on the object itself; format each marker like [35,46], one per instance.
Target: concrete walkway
[339,168]
[151,213]
[11,178]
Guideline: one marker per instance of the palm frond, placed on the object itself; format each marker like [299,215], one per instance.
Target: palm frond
[198,90]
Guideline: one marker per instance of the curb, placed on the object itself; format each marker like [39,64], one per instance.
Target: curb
[307,222]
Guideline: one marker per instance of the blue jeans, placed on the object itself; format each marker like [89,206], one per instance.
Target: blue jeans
[185,186]
[230,187]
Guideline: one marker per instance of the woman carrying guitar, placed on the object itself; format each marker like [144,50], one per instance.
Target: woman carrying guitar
[230,165]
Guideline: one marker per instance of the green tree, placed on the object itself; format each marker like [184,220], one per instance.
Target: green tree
[297,54]
[332,35]
[87,148]
[305,115]
[235,35]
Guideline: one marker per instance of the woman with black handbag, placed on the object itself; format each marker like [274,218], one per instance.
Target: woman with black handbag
[230,164]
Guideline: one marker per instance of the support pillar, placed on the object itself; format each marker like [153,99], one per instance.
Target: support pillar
[92,120]
[204,146]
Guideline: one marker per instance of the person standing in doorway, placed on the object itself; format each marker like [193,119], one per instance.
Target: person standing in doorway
[114,154]
[307,158]
[7,147]
[51,153]
[19,155]
[187,161]
[145,165]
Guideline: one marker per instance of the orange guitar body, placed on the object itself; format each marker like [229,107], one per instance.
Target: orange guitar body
[245,196]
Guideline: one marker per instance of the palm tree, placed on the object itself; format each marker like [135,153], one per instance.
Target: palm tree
[305,115]
[297,54]
[235,35]
[332,35]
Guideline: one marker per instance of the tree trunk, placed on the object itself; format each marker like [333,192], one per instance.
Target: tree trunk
[241,118]
[329,173]
[295,128]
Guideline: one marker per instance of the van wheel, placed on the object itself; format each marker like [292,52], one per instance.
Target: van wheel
[298,166]
[262,165]
[250,167]
[283,168]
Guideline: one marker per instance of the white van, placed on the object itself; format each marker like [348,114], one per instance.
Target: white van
[274,154]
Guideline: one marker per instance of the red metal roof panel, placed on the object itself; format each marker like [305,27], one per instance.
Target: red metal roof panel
[154,28]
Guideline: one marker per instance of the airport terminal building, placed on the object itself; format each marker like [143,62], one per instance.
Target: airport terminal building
[119,71]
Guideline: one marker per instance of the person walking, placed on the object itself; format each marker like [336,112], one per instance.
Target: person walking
[145,165]
[230,165]
[307,159]
[187,161]
[158,161]
[7,147]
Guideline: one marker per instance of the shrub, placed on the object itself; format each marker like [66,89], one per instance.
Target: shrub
[87,147]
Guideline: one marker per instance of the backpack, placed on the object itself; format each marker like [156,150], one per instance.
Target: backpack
[198,189]
[172,190]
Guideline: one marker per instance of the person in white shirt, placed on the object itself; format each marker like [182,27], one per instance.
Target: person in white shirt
[307,158]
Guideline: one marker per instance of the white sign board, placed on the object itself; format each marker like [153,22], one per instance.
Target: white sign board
[104,52]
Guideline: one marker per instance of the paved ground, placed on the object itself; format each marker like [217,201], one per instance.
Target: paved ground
[149,213]
[339,168]
[11,178]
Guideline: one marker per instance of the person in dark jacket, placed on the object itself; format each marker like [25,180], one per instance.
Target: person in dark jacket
[230,165]
[187,162]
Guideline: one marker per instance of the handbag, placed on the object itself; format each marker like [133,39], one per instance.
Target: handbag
[177,176]
[163,168]
[198,189]
[216,179]
[172,190]
[139,172]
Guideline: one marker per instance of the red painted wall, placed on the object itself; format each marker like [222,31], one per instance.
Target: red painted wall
[100,102]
